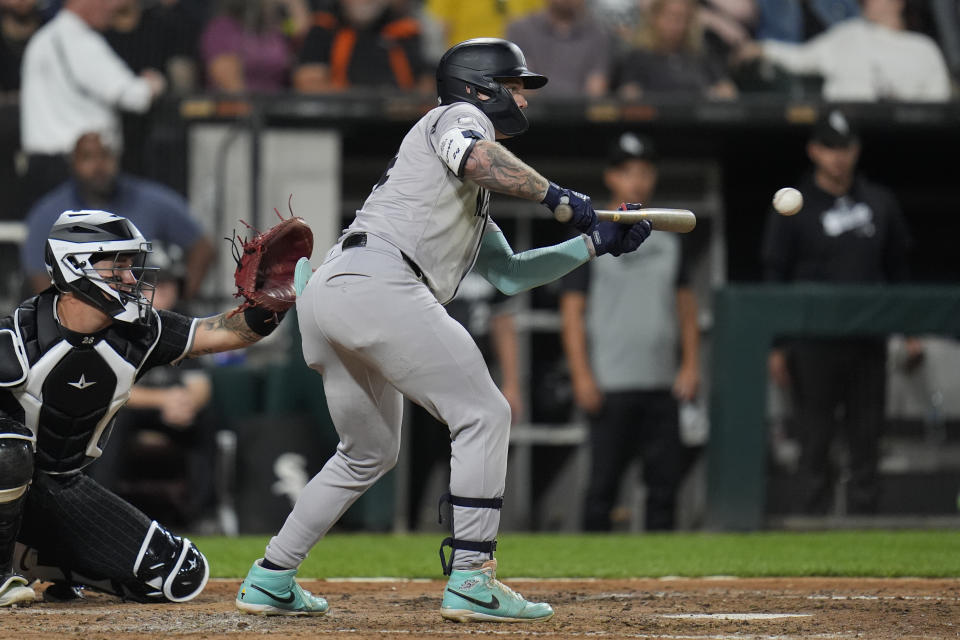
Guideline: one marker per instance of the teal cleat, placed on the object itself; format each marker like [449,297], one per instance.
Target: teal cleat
[477,596]
[276,593]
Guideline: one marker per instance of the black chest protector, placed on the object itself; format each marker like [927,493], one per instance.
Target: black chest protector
[75,383]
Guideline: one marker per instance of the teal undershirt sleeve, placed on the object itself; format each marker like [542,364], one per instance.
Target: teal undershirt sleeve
[512,272]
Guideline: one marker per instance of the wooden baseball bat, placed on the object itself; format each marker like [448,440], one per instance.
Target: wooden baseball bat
[676,220]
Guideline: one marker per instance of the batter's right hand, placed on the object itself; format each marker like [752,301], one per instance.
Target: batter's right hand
[616,239]
[584,218]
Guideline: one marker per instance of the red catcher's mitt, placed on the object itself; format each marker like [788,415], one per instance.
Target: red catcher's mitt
[266,263]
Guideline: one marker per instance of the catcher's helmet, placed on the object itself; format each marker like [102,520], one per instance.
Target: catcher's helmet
[80,238]
[481,63]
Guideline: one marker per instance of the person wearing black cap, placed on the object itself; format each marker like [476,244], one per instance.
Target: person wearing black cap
[850,230]
[632,346]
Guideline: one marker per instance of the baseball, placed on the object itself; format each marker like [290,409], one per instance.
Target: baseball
[787,201]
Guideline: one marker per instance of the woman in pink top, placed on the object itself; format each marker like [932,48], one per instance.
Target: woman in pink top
[246,46]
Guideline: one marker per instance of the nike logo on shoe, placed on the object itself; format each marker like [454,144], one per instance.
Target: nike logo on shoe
[493,604]
[286,600]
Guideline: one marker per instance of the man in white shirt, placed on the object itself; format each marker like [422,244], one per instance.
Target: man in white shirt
[865,59]
[73,82]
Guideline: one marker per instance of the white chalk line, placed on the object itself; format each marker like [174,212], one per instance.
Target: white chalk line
[732,616]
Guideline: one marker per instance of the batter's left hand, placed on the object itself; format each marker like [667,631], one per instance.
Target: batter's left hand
[584,217]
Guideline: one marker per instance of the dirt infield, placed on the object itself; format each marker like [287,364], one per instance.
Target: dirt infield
[707,609]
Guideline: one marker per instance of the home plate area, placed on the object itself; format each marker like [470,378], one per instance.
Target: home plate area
[675,609]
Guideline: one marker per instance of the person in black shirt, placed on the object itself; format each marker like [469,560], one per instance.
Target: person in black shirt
[850,230]
[362,44]
[68,359]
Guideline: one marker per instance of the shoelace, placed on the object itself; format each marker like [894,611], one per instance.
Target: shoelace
[304,592]
[508,590]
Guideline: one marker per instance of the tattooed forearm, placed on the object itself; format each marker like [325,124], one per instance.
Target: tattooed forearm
[491,166]
[223,333]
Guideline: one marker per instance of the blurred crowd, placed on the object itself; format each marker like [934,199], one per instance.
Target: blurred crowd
[716,49]
[81,66]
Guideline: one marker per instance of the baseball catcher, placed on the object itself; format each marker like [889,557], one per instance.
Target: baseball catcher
[68,358]
[374,325]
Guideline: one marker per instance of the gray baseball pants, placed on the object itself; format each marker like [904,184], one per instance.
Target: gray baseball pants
[376,333]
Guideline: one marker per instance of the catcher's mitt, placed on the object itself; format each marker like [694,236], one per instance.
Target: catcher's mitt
[266,264]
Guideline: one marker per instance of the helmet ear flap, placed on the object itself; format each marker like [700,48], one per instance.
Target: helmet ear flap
[50,262]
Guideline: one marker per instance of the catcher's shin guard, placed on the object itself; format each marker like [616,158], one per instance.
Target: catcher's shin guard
[16,474]
[481,546]
[168,568]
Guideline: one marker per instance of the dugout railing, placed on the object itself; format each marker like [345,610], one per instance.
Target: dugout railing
[747,318]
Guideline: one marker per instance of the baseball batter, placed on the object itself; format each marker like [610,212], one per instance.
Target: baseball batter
[374,325]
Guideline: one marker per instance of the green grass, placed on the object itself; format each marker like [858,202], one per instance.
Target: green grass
[843,553]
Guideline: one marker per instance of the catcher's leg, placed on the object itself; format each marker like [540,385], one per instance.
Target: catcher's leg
[77,533]
[16,471]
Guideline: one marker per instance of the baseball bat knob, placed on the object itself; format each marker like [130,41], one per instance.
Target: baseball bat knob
[563,213]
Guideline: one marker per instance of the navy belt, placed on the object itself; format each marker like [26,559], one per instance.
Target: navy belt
[360,240]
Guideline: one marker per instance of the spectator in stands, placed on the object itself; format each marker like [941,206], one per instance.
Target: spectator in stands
[466,20]
[362,43]
[19,20]
[727,24]
[789,21]
[433,38]
[568,45]
[245,47]
[629,381]
[163,454]
[850,230]
[619,17]
[865,59]
[73,82]
[162,35]
[669,57]
[161,214]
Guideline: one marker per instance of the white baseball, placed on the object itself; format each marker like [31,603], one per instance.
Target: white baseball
[787,201]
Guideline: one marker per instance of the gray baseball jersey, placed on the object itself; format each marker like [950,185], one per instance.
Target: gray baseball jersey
[424,207]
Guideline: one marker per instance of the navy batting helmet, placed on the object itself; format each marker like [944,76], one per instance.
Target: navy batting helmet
[481,63]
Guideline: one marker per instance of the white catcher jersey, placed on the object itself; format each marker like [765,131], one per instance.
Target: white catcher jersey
[423,206]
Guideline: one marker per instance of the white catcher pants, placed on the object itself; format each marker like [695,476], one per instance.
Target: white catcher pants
[375,331]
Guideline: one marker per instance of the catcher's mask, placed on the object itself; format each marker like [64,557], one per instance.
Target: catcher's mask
[119,285]
[480,64]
